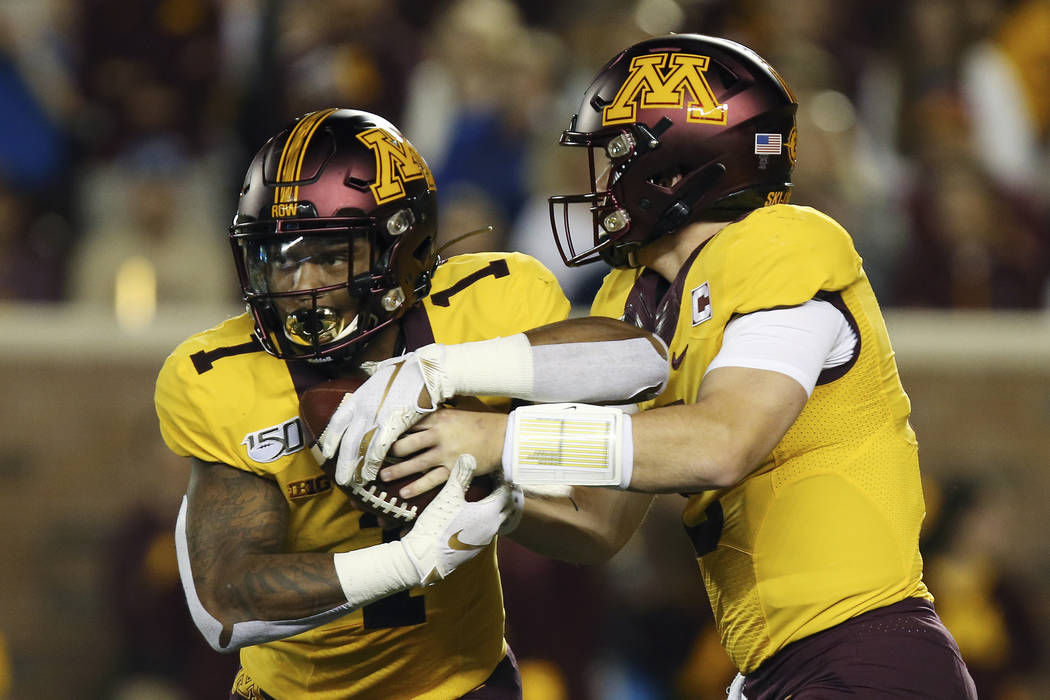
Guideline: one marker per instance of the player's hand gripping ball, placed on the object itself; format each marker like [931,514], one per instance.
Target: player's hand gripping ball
[316,406]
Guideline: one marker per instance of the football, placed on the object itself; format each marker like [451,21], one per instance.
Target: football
[316,406]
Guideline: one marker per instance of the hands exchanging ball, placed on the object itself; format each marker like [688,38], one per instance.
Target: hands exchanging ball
[380,498]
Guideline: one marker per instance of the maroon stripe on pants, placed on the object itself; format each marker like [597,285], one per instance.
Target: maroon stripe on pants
[899,651]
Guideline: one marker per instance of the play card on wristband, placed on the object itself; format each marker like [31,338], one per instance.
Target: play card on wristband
[567,443]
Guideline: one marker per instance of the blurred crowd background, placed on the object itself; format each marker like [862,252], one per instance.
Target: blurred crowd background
[125,129]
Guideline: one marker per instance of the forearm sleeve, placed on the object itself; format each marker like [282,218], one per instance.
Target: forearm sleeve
[606,371]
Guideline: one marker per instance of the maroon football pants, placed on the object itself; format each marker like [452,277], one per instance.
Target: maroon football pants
[899,651]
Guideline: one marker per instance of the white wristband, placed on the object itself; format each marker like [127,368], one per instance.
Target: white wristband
[572,444]
[496,367]
[372,573]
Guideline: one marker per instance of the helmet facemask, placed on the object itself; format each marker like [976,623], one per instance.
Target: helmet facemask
[635,197]
[318,289]
[609,155]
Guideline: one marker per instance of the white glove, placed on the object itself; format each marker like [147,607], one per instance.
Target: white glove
[451,530]
[369,420]
[736,690]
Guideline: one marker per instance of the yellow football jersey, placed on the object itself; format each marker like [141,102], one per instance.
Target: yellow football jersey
[828,526]
[220,398]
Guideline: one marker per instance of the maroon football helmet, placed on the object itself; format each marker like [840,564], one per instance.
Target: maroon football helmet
[678,129]
[334,233]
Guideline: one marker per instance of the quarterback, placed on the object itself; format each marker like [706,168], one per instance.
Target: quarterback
[333,242]
[784,423]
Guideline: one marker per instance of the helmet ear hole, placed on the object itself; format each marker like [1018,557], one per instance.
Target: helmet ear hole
[422,251]
[668,178]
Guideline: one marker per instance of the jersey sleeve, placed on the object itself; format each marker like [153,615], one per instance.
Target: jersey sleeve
[539,294]
[222,414]
[784,256]
[485,295]
[180,400]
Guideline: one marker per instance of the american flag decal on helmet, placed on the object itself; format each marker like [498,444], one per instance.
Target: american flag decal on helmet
[768,144]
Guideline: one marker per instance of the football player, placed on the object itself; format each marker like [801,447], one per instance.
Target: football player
[333,241]
[784,420]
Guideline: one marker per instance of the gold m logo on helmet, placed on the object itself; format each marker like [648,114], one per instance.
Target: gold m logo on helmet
[662,80]
[397,162]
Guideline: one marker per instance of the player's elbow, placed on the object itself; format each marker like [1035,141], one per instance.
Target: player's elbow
[218,636]
[209,601]
[599,537]
[598,545]
[729,467]
[604,546]
[689,467]
[585,541]
[590,548]
[723,477]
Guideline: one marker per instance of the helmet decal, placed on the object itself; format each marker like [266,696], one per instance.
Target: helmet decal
[291,165]
[769,144]
[662,80]
[792,144]
[397,162]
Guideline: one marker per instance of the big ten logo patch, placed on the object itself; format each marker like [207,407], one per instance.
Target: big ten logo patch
[397,162]
[663,80]
[270,444]
[308,487]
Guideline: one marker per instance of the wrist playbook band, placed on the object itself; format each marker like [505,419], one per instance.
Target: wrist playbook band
[570,444]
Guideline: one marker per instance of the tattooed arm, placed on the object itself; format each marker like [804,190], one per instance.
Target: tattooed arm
[230,536]
[237,523]
[242,588]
